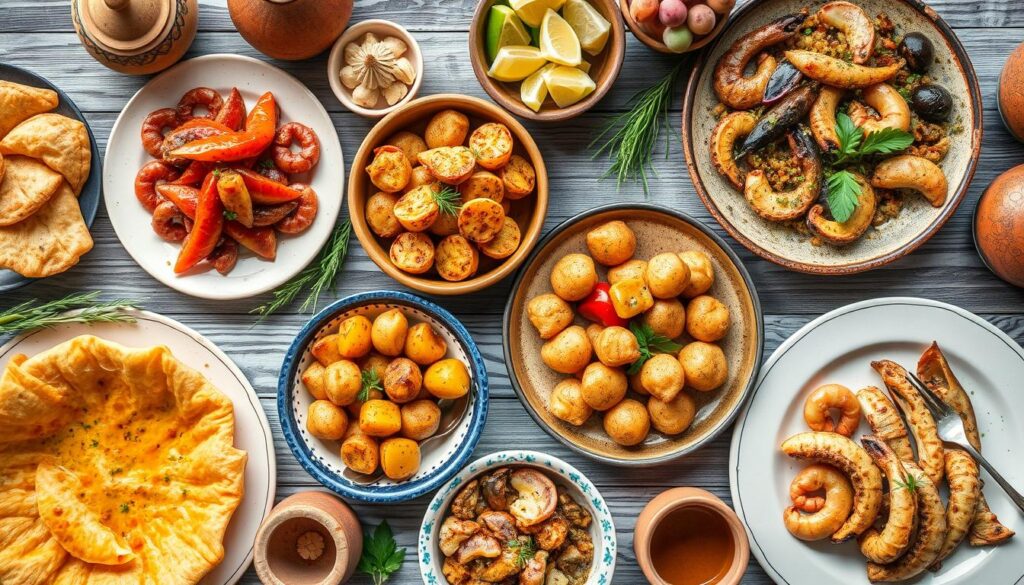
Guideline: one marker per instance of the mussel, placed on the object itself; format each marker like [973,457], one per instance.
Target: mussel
[784,79]
[774,123]
[932,102]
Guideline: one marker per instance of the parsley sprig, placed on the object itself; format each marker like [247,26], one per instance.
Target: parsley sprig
[650,343]
[523,548]
[370,381]
[381,555]
[854,145]
[448,200]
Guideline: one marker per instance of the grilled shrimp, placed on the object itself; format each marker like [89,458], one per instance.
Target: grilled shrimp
[823,118]
[302,217]
[964,488]
[931,531]
[893,111]
[922,425]
[887,545]
[839,73]
[912,172]
[986,529]
[733,88]
[309,148]
[784,206]
[199,96]
[885,421]
[168,222]
[819,405]
[729,130]
[149,176]
[856,26]
[153,129]
[834,507]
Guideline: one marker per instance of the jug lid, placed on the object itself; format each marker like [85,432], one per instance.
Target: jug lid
[126,25]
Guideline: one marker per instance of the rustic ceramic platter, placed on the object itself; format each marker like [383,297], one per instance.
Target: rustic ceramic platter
[658,230]
[839,347]
[897,237]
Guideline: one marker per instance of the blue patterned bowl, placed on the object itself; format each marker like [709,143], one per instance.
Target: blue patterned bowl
[322,458]
[602,529]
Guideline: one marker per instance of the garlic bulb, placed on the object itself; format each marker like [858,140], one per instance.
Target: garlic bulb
[375,68]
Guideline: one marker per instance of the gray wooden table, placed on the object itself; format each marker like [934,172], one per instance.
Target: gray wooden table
[37,34]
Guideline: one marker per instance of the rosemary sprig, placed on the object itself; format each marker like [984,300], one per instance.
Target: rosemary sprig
[370,381]
[909,485]
[30,315]
[448,200]
[523,548]
[317,276]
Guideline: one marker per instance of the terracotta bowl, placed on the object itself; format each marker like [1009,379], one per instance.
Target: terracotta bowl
[528,212]
[657,45]
[336,60]
[899,236]
[658,229]
[604,67]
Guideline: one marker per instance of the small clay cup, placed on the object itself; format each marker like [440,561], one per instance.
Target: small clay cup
[658,509]
[276,555]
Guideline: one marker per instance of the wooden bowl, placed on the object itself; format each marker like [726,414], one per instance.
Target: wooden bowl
[659,46]
[658,229]
[894,239]
[604,67]
[528,212]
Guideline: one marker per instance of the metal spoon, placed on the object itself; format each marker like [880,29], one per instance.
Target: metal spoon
[451,415]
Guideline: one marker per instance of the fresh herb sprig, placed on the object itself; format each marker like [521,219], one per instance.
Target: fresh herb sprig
[843,189]
[31,315]
[448,200]
[910,484]
[370,381]
[317,277]
[381,555]
[523,549]
[650,343]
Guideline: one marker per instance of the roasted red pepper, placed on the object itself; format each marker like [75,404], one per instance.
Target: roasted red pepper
[193,174]
[597,307]
[259,131]
[266,191]
[232,113]
[261,240]
[209,223]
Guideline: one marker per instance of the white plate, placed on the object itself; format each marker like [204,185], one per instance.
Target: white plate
[252,433]
[838,347]
[125,155]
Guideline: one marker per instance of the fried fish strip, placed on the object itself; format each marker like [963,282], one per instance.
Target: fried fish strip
[922,425]
[987,530]
[931,532]
[964,490]
[887,545]
[885,421]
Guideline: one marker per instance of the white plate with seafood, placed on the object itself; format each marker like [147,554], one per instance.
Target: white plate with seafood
[839,347]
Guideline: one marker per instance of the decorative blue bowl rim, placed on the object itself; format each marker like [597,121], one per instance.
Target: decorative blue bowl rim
[405,490]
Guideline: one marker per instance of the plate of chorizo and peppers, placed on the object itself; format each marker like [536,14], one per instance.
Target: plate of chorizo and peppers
[833,137]
[225,177]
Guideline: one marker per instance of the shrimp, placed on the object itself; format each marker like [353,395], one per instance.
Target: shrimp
[787,205]
[149,176]
[823,118]
[893,111]
[299,220]
[829,511]
[153,128]
[224,256]
[856,26]
[309,148]
[729,130]
[886,545]
[832,396]
[168,222]
[839,73]
[199,96]
[733,88]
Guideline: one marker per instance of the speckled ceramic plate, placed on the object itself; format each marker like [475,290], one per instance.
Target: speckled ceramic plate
[890,241]
[658,229]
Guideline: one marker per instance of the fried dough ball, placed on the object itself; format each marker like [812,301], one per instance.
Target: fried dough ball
[667,276]
[705,365]
[342,380]
[388,332]
[380,214]
[549,314]
[627,423]
[390,171]
[573,277]
[410,144]
[420,419]
[446,128]
[628,269]
[326,420]
[423,345]
[314,380]
[674,416]
[611,243]
[354,337]
[663,376]
[447,378]
[603,387]
[593,331]
[567,403]
[616,346]
[636,384]
[568,352]
[666,317]
[707,318]
[402,380]
[702,272]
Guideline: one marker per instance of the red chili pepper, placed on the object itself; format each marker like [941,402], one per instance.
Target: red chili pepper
[597,307]
[260,240]
[266,191]
[209,223]
[260,126]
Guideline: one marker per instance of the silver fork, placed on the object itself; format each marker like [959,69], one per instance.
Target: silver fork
[951,430]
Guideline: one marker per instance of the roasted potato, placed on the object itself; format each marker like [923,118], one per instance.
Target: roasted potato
[666,317]
[448,378]
[702,272]
[636,385]
[325,420]
[616,346]
[417,210]
[480,220]
[482,185]
[343,379]
[628,269]
[313,379]
[566,402]
[505,243]
[611,243]
[410,144]
[402,380]
[446,224]
[627,423]
[662,376]
[356,407]
[446,128]
[674,416]
[420,419]
[568,352]
[354,337]
[519,177]
[412,252]
[449,164]
[421,176]
[705,366]
[667,275]
[380,418]
[456,258]
[360,452]
[630,297]
[707,318]
[492,145]
[603,387]
[399,458]
[423,345]
[390,171]
[325,349]
[549,314]
[573,277]
[380,214]
[388,332]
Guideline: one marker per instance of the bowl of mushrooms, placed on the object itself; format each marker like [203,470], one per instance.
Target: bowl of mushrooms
[375,67]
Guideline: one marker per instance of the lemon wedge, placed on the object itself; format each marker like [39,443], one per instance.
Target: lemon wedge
[568,85]
[558,42]
[516,62]
[503,29]
[534,90]
[590,27]
[532,11]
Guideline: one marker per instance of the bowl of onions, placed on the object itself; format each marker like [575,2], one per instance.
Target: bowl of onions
[676,26]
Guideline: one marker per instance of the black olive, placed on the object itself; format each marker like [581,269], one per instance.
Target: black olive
[932,102]
[918,51]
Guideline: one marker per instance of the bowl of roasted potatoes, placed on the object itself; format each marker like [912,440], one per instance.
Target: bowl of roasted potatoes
[448,195]
[382,396]
[633,335]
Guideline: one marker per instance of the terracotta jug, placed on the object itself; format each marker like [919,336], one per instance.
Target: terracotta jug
[290,29]
[136,36]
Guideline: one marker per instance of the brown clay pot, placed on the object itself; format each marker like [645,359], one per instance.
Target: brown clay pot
[1010,97]
[276,553]
[999,226]
[291,30]
[135,36]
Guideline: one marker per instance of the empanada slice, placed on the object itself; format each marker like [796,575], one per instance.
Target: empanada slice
[25,186]
[58,141]
[20,102]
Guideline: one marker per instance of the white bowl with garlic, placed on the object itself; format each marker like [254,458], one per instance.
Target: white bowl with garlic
[375,67]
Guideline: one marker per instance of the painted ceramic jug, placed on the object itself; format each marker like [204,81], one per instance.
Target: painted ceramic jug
[136,36]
